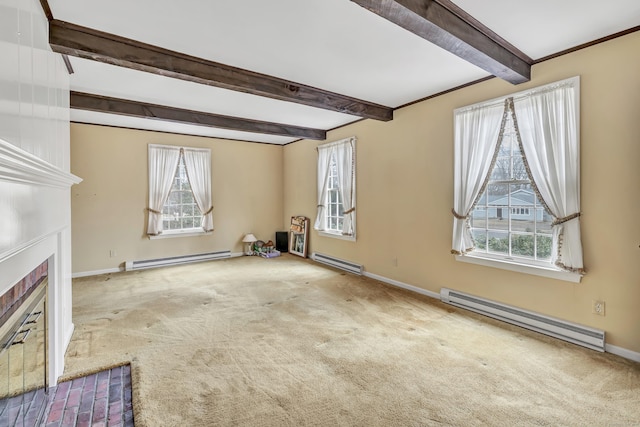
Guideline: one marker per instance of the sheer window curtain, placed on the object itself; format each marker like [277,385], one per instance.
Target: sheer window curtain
[324,158]
[345,162]
[163,162]
[548,123]
[477,131]
[198,165]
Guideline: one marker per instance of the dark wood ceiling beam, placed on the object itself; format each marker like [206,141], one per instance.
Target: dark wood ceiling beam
[104,104]
[88,43]
[446,25]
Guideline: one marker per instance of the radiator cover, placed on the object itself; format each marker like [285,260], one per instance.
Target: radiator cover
[567,331]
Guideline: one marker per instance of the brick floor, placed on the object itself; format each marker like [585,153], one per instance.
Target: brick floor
[102,399]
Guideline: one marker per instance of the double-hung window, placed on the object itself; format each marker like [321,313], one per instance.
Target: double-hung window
[335,211]
[516,182]
[508,219]
[180,212]
[180,199]
[336,189]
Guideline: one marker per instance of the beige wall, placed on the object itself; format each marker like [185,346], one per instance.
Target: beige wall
[108,207]
[405,194]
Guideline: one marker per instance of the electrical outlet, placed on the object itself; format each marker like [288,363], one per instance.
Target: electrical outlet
[112,253]
[598,308]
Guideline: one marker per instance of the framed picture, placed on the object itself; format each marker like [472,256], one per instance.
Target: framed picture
[298,235]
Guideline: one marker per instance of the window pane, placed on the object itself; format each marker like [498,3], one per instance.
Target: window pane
[505,147]
[522,245]
[501,170]
[522,222]
[187,197]
[519,170]
[480,239]
[174,198]
[544,221]
[499,218]
[499,242]
[543,249]
[479,217]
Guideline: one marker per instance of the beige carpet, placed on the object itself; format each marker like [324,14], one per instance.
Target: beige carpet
[287,342]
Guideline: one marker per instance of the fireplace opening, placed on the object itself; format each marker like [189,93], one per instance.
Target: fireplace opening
[23,350]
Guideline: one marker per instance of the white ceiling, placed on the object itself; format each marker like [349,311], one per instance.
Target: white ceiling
[334,45]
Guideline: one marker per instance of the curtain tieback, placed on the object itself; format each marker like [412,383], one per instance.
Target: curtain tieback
[208,212]
[559,221]
[457,215]
[154,211]
[320,206]
[348,211]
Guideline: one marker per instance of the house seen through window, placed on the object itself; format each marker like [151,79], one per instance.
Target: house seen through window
[509,219]
[181,212]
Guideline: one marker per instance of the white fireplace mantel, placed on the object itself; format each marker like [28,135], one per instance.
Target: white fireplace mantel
[36,205]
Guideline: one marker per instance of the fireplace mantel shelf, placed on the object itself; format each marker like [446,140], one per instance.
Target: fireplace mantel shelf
[18,165]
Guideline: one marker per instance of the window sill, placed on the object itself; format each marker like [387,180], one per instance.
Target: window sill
[512,265]
[187,233]
[337,236]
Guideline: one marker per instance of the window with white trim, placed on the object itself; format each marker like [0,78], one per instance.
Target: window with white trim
[517,182]
[337,189]
[180,200]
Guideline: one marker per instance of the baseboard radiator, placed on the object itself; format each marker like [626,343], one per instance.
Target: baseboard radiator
[185,259]
[338,263]
[567,331]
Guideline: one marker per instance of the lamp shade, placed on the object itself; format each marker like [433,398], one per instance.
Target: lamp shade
[249,238]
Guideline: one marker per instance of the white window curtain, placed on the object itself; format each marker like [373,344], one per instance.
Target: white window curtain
[345,162]
[324,158]
[548,125]
[163,162]
[477,131]
[198,165]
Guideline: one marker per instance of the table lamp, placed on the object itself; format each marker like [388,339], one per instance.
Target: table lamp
[248,241]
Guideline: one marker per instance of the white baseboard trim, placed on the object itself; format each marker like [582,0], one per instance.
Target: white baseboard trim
[402,285]
[622,352]
[96,272]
